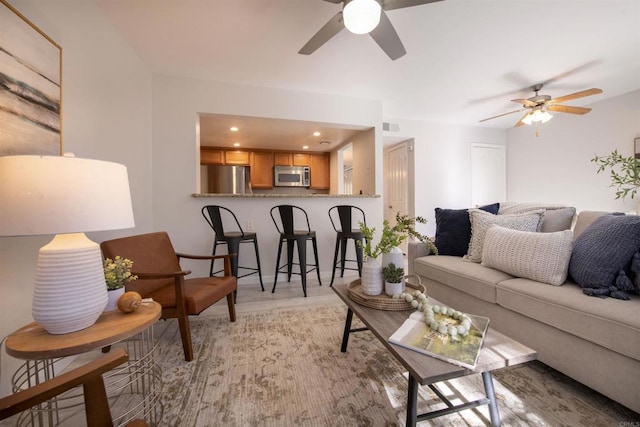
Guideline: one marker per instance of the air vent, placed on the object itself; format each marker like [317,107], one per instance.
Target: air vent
[391,127]
[325,142]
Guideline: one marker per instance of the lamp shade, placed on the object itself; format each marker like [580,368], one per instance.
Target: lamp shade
[65,196]
[361,16]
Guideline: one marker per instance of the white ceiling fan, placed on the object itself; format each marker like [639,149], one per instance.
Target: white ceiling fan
[362,17]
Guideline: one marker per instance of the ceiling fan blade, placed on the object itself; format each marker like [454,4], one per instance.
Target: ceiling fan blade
[387,38]
[568,109]
[525,102]
[330,29]
[504,114]
[581,94]
[520,122]
[399,4]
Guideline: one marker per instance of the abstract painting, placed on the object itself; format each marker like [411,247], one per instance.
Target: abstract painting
[30,87]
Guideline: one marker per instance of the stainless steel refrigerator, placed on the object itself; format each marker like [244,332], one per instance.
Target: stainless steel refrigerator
[229,179]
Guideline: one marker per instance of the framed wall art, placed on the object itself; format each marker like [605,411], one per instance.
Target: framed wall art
[636,148]
[30,87]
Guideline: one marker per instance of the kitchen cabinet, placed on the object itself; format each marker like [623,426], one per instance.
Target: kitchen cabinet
[319,168]
[211,156]
[281,159]
[236,157]
[262,169]
[291,159]
[300,159]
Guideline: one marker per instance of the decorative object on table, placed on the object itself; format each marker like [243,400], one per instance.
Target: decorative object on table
[372,281]
[129,302]
[393,279]
[624,173]
[442,332]
[391,238]
[32,101]
[65,196]
[383,302]
[117,272]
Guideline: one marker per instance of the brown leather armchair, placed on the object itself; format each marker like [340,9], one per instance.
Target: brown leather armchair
[89,376]
[160,277]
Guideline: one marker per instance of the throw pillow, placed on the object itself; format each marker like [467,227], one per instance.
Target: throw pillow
[601,251]
[481,221]
[543,257]
[557,219]
[453,229]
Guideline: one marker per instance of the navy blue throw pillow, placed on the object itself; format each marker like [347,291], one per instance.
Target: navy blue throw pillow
[602,251]
[453,229]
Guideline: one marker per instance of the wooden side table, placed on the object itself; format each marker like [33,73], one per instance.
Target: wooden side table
[135,386]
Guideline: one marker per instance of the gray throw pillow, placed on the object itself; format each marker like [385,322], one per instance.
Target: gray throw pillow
[557,219]
[601,251]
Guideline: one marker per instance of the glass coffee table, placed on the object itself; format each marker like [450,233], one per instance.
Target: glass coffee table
[498,351]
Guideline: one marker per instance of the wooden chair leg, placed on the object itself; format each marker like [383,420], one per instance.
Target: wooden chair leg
[232,307]
[185,333]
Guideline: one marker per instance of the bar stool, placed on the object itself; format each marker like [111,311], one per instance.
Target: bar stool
[288,233]
[346,214]
[214,214]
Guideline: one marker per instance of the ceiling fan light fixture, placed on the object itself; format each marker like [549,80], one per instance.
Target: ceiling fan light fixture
[361,16]
[537,116]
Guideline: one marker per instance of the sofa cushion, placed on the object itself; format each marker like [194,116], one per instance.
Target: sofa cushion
[602,250]
[453,229]
[481,221]
[538,256]
[585,218]
[611,323]
[471,278]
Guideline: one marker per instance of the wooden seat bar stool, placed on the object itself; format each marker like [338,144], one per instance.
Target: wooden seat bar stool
[215,216]
[285,224]
[346,215]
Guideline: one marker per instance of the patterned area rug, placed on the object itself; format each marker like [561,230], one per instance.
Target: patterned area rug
[285,368]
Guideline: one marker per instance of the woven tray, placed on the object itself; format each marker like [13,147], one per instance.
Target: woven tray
[382,301]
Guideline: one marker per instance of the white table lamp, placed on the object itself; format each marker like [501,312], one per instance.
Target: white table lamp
[66,196]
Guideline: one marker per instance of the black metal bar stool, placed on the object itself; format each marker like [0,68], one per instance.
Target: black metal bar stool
[214,214]
[345,215]
[288,233]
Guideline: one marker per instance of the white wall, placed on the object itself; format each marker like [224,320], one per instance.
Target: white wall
[556,167]
[442,164]
[106,115]
[176,103]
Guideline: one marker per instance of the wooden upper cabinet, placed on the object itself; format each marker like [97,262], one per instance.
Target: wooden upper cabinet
[236,157]
[282,159]
[211,156]
[300,159]
[320,173]
[262,169]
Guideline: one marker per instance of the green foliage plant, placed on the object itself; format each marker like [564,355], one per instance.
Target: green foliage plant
[392,274]
[393,236]
[625,173]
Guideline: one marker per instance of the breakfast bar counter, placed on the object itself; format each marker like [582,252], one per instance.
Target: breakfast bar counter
[289,195]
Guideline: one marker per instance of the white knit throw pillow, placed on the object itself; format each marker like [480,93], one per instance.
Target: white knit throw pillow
[543,257]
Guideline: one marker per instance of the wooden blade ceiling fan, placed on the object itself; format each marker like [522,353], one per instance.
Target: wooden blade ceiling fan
[537,107]
[381,29]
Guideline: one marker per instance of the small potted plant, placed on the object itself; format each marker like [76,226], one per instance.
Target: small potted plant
[117,272]
[393,279]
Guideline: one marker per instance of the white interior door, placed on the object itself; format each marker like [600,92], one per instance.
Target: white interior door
[488,173]
[396,182]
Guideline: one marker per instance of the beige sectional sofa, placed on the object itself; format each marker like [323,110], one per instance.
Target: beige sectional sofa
[596,341]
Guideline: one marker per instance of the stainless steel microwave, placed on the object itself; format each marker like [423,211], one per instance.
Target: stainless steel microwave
[291,176]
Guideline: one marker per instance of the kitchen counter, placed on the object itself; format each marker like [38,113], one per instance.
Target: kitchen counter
[290,196]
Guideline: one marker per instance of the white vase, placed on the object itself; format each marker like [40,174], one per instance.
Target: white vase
[372,282]
[114,296]
[395,256]
[393,288]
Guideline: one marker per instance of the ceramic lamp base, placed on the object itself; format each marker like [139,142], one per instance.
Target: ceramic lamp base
[70,291]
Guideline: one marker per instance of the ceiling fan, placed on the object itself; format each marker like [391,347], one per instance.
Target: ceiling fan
[537,107]
[362,17]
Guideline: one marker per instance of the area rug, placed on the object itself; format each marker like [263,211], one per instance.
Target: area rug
[284,368]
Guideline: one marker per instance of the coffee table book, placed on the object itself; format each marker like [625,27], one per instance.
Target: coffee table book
[416,335]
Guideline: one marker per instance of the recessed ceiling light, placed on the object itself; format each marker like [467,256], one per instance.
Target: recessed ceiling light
[316,133]
[233,129]
[305,147]
[236,144]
